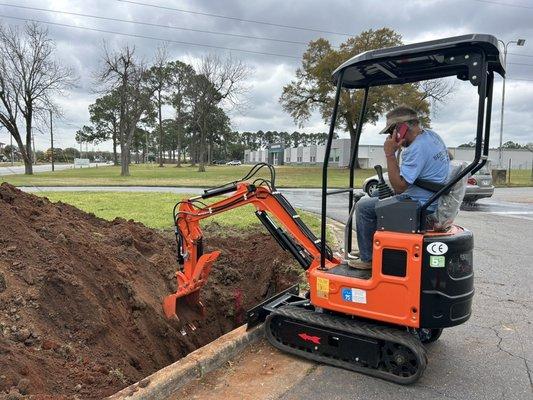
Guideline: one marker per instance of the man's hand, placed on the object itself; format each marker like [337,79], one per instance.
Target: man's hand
[391,145]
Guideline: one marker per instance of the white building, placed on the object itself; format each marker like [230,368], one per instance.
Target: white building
[369,155]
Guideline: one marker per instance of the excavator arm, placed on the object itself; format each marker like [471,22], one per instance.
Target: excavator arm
[293,236]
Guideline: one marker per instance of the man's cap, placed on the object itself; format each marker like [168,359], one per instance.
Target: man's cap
[391,121]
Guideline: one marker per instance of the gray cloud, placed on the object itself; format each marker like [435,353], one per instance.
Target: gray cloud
[416,20]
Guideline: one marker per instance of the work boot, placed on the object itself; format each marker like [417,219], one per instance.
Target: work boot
[358,264]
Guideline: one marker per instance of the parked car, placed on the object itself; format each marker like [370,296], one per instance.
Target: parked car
[478,186]
[234,162]
[219,162]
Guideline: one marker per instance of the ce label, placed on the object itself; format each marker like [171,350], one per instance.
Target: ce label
[437,248]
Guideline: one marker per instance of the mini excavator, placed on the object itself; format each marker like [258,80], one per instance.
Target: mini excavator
[421,280]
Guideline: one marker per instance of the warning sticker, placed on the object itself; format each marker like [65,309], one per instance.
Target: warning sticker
[322,288]
[354,295]
[437,261]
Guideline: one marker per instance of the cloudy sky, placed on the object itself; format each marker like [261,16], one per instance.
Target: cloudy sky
[415,20]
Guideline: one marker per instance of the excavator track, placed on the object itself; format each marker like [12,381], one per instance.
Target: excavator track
[381,351]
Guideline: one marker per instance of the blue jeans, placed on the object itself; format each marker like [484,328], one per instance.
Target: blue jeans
[366,225]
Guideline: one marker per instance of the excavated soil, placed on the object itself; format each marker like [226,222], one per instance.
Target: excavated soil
[80,297]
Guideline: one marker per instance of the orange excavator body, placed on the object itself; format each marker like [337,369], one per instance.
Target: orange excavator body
[196,264]
[381,297]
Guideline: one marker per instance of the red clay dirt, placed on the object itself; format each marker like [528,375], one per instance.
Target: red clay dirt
[80,297]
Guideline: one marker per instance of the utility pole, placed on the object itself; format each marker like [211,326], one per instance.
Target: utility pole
[519,42]
[33,144]
[52,140]
[11,148]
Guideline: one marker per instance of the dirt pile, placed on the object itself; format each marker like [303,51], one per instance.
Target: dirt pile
[80,297]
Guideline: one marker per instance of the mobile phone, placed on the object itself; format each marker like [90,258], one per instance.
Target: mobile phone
[400,132]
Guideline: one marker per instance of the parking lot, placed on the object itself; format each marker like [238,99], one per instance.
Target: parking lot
[489,357]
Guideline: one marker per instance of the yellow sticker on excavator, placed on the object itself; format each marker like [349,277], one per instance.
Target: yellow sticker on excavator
[322,287]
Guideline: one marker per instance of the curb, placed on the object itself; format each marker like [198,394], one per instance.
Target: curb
[166,382]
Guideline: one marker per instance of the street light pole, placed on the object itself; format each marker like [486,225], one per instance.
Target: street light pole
[519,42]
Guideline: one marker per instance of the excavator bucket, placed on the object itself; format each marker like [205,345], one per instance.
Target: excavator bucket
[180,307]
[185,304]
[187,310]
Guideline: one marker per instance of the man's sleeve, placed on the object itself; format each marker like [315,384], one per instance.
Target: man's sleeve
[413,162]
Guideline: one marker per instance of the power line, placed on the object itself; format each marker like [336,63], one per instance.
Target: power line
[153,25]
[149,37]
[233,18]
[505,4]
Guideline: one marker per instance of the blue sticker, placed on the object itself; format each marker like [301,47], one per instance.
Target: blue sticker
[347,294]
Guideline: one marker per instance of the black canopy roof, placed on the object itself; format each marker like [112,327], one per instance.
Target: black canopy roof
[459,55]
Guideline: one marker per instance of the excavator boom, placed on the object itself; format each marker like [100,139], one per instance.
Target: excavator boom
[293,236]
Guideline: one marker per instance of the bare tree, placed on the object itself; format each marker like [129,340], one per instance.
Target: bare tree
[126,74]
[220,83]
[436,91]
[29,77]
[160,78]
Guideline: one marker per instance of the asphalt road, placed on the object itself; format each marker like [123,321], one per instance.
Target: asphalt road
[490,356]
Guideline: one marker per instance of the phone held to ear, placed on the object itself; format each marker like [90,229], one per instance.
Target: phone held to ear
[400,132]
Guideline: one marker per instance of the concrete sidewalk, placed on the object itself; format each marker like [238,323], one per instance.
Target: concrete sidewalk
[261,372]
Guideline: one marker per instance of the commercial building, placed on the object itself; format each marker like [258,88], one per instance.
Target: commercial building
[369,155]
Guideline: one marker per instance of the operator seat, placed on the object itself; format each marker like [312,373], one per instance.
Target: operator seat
[449,203]
[403,215]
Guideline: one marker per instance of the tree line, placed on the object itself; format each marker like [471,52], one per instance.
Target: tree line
[507,145]
[134,95]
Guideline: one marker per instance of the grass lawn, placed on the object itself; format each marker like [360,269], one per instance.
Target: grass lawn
[521,177]
[155,209]
[152,175]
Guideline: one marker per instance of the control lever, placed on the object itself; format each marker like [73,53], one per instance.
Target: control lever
[384,189]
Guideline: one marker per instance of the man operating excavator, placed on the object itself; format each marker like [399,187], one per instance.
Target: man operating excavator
[425,158]
[422,276]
